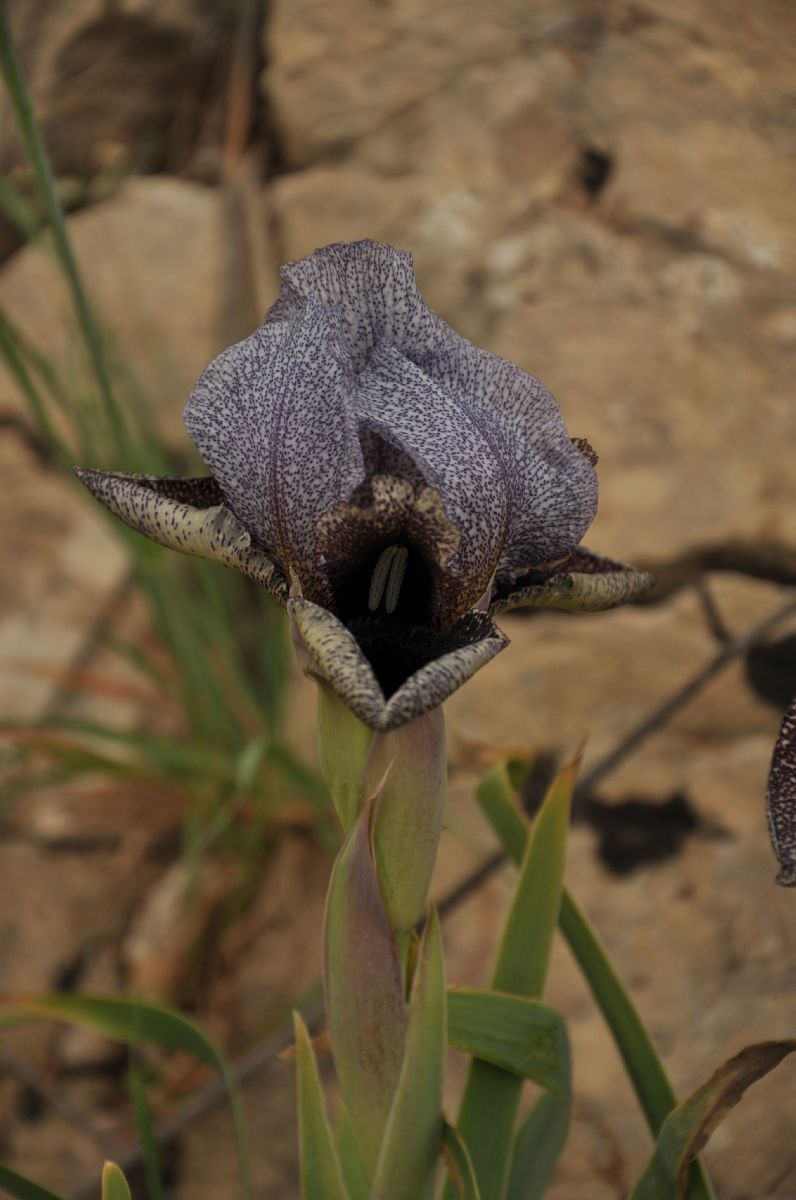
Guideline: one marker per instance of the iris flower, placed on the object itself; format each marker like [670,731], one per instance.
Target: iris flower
[389,483]
[781,799]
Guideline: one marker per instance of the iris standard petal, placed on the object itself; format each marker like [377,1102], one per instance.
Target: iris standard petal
[552,483]
[330,651]
[273,418]
[186,515]
[457,454]
[585,582]
[374,286]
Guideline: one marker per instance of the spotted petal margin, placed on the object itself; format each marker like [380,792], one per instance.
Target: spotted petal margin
[330,652]
[188,515]
[585,582]
[781,799]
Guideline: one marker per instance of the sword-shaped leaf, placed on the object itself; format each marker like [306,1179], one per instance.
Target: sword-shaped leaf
[22,1188]
[686,1130]
[515,1033]
[350,1163]
[491,1097]
[139,1024]
[645,1069]
[364,993]
[321,1175]
[460,1166]
[114,1184]
[539,1143]
[408,1160]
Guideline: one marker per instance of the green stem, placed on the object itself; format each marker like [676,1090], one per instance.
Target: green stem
[40,164]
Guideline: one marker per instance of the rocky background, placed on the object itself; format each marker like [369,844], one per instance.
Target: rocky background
[602,191]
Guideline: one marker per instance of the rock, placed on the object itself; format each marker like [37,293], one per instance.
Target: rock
[273,954]
[335,76]
[153,264]
[119,90]
[152,259]
[632,264]
[163,946]
[81,1049]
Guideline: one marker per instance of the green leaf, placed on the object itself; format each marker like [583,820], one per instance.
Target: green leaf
[491,1097]
[495,794]
[408,1159]
[348,1154]
[321,1175]
[645,1070]
[538,1146]
[364,993]
[520,1035]
[22,1188]
[686,1130]
[140,1024]
[35,151]
[114,1184]
[524,953]
[146,1133]
[460,1166]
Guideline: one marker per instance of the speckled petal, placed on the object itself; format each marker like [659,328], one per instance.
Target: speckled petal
[552,482]
[457,453]
[781,799]
[274,420]
[330,651]
[375,287]
[587,582]
[186,515]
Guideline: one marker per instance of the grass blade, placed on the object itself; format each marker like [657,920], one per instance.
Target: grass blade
[321,1174]
[37,156]
[491,1096]
[139,1024]
[23,1188]
[146,1134]
[9,349]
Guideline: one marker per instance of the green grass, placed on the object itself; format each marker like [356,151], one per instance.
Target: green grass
[221,664]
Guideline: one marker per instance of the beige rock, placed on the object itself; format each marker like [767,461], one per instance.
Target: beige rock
[338,72]
[152,260]
[162,943]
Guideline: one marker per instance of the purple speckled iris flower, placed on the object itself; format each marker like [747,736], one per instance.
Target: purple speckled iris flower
[389,482]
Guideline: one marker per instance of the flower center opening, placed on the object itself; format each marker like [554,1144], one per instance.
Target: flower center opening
[390,586]
[388,575]
[386,601]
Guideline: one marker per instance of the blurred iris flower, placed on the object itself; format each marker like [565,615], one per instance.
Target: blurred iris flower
[781,799]
[391,484]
